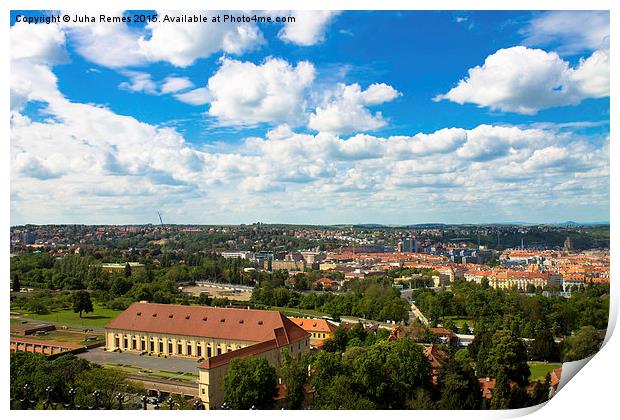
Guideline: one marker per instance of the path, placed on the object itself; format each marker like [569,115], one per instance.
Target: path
[417,313]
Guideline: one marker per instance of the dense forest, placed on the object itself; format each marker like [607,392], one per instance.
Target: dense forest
[520,313]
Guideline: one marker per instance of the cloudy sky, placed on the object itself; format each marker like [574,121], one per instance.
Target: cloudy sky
[349,117]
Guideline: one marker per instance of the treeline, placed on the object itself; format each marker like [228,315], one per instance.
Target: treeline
[369,299]
[518,312]
[118,289]
[581,238]
[269,239]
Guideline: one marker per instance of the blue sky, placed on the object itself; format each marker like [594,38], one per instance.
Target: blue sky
[352,117]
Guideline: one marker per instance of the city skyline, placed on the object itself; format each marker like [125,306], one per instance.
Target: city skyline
[439,117]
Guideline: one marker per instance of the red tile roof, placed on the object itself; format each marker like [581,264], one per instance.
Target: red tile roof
[435,356]
[314,324]
[324,281]
[487,385]
[556,375]
[203,321]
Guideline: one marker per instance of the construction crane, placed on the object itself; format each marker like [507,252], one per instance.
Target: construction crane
[160,220]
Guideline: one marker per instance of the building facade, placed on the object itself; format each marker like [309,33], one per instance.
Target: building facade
[214,336]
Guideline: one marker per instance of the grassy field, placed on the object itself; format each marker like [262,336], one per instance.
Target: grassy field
[458,321]
[539,370]
[96,319]
[297,312]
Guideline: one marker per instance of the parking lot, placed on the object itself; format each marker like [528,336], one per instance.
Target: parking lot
[170,364]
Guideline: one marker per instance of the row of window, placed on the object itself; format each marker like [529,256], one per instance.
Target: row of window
[124,343]
[318,335]
[154,346]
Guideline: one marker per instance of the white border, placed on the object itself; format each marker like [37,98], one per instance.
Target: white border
[594,391]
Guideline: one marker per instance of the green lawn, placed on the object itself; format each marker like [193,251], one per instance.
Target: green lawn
[97,319]
[538,370]
[458,321]
[297,312]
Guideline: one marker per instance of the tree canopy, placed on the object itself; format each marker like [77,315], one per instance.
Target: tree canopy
[250,382]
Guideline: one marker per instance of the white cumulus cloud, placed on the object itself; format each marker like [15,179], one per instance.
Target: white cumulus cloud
[525,80]
[182,44]
[309,27]
[244,93]
[38,44]
[346,109]
[118,45]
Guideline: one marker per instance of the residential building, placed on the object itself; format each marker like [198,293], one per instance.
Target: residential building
[326,284]
[319,329]
[118,267]
[244,255]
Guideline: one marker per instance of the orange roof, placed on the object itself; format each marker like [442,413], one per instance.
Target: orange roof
[326,281]
[487,385]
[203,321]
[442,331]
[314,324]
[556,375]
[435,356]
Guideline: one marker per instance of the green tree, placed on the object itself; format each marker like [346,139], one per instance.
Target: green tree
[369,375]
[250,382]
[422,400]
[407,367]
[508,358]
[583,343]
[544,346]
[458,386]
[501,394]
[294,373]
[338,343]
[37,306]
[82,302]
[127,270]
[109,381]
[180,403]
[341,394]
[16,286]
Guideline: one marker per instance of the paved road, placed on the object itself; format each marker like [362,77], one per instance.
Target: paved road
[416,313]
[154,363]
